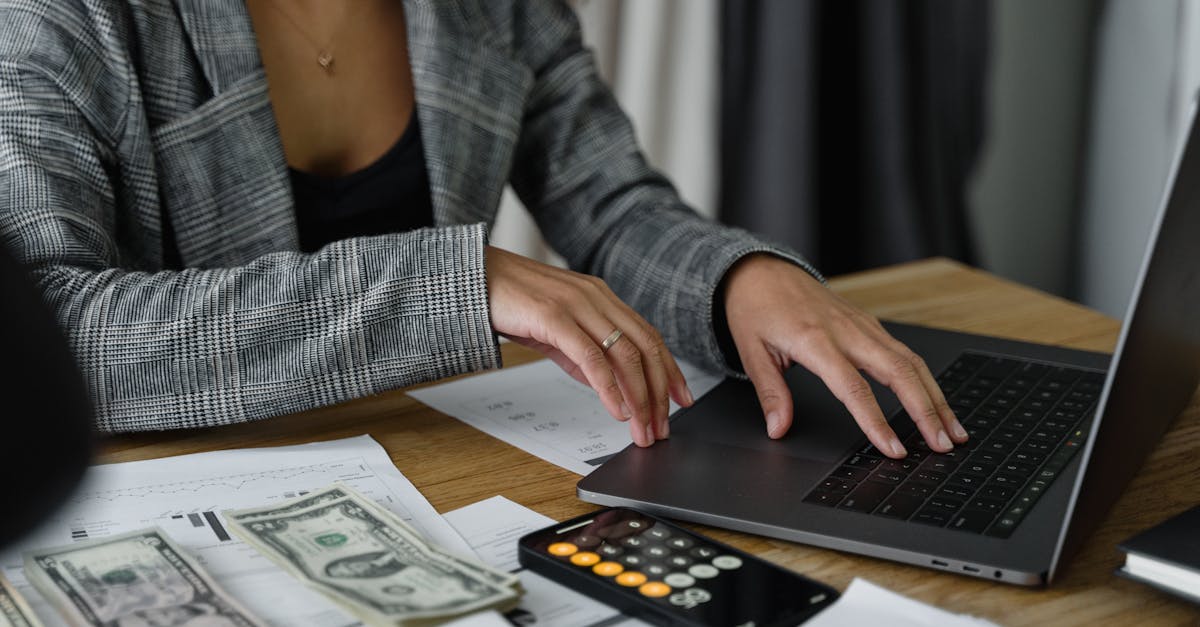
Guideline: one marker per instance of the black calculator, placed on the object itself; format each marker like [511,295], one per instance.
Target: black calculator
[664,574]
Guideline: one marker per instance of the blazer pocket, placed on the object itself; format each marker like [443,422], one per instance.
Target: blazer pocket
[223,178]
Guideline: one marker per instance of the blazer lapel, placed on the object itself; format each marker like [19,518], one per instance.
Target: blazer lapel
[222,166]
[470,99]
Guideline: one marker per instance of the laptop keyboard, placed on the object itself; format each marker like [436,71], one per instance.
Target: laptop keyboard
[1026,421]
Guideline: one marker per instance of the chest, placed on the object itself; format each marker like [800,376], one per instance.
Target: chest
[339,80]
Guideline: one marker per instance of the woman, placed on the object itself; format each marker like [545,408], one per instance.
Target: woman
[196,186]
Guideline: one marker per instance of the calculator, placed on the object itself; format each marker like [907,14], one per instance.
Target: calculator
[666,575]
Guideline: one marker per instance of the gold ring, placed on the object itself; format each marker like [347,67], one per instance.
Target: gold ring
[611,339]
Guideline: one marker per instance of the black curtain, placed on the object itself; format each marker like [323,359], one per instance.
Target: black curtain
[849,128]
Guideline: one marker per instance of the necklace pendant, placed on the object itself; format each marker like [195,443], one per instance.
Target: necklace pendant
[325,60]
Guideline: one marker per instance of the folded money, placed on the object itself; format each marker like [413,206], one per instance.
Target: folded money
[369,561]
[133,579]
[14,611]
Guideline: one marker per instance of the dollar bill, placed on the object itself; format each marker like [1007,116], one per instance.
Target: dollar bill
[365,558]
[14,611]
[136,579]
[340,491]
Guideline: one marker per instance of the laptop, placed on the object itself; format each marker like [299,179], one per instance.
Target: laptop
[1056,434]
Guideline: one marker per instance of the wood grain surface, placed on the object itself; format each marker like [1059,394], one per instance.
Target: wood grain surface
[455,465]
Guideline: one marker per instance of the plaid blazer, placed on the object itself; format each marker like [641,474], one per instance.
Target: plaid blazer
[118,119]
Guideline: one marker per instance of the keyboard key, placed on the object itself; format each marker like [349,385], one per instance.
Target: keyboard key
[1003,478]
[887,476]
[972,520]
[928,477]
[985,504]
[950,505]
[997,491]
[1005,434]
[835,485]
[998,446]
[968,480]
[863,461]
[900,506]
[939,463]
[986,457]
[932,516]
[899,465]
[1028,457]
[955,492]
[866,497]
[998,367]
[1019,468]
[978,468]
[850,473]
[914,489]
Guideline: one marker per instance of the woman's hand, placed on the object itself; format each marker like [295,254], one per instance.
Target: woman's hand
[567,316]
[779,314]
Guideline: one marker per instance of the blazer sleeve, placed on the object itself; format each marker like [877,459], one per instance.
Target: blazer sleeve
[282,333]
[579,171]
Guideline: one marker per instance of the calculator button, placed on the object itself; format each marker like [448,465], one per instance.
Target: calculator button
[690,598]
[631,579]
[608,569]
[679,543]
[704,552]
[727,562]
[562,549]
[634,541]
[609,550]
[679,580]
[654,589]
[635,525]
[703,571]
[680,561]
[659,533]
[633,560]
[587,541]
[656,570]
[656,550]
[585,558]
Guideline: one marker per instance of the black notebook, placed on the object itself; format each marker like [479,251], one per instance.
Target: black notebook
[1167,556]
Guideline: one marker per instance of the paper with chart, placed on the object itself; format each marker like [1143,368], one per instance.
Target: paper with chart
[185,495]
[540,409]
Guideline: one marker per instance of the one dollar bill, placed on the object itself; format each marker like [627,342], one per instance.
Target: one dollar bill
[14,611]
[366,559]
[137,578]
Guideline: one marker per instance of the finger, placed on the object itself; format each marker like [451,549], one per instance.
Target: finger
[664,376]
[563,333]
[626,362]
[824,359]
[945,413]
[895,370]
[654,356]
[766,373]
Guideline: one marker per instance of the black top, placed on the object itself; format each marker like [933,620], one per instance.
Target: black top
[388,196]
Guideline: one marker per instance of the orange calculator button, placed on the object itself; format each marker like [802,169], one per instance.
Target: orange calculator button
[607,569]
[655,589]
[562,549]
[584,558]
[631,578]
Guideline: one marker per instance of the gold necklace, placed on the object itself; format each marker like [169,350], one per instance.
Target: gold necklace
[324,52]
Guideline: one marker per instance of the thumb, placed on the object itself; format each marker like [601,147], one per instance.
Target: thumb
[766,373]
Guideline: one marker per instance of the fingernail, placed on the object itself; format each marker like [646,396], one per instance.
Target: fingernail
[625,410]
[774,424]
[944,440]
[898,448]
[687,395]
[666,429]
[650,433]
[958,430]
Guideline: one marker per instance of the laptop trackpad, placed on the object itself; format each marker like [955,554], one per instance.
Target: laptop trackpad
[822,430]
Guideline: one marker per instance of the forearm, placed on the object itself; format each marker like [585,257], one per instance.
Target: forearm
[285,333]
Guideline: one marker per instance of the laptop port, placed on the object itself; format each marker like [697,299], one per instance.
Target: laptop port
[940,563]
[970,569]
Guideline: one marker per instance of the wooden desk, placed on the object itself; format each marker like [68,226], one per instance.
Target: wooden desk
[455,465]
